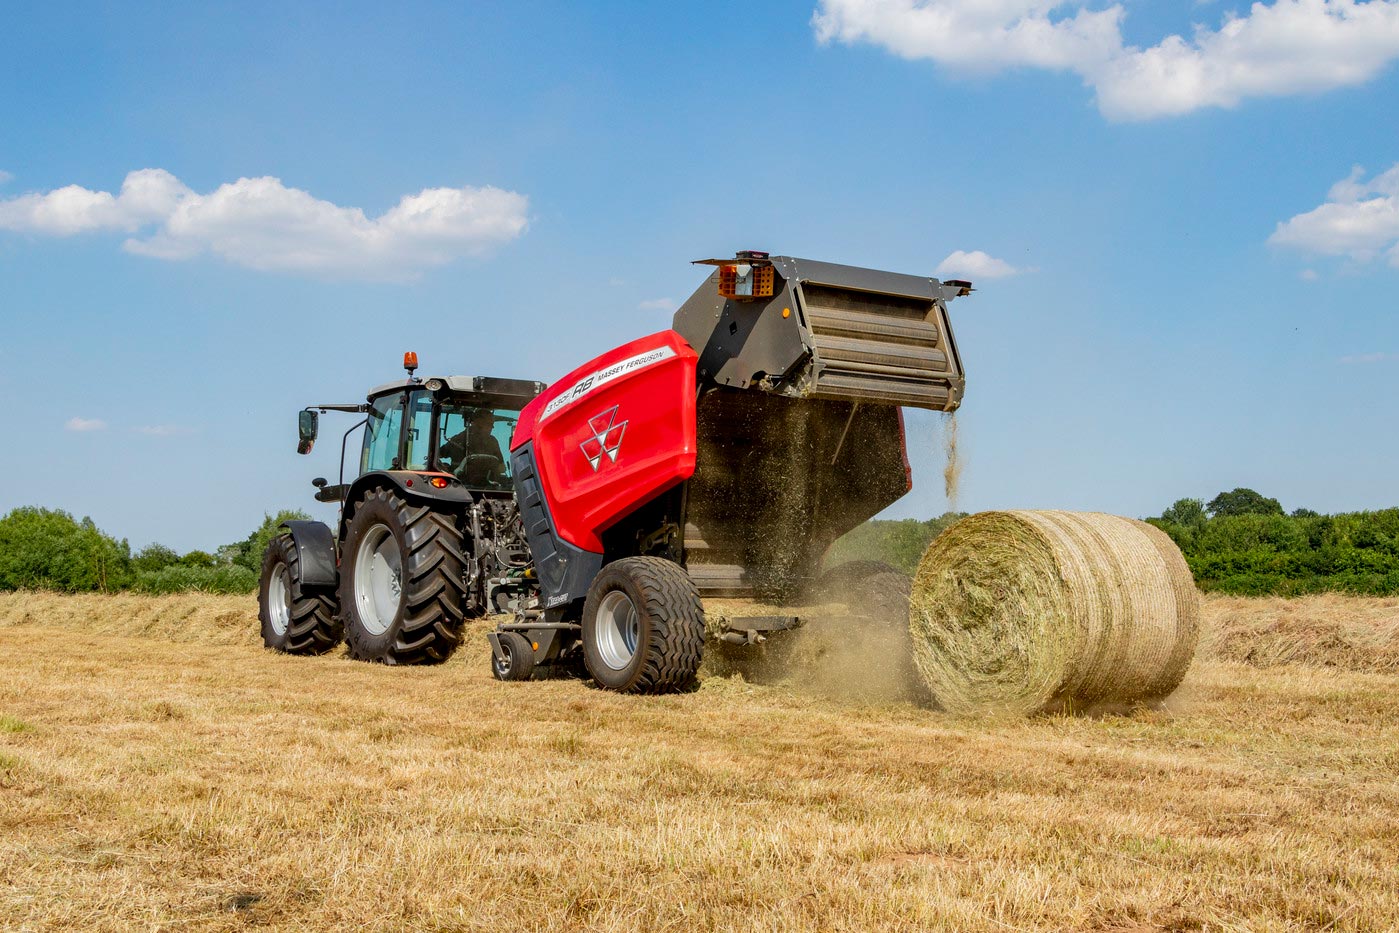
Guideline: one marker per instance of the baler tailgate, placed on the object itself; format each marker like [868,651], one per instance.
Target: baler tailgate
[875,347]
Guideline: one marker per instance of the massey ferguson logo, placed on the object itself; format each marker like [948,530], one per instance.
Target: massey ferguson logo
[606,439]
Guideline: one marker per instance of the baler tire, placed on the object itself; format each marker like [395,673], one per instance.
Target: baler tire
[669,641]
[519,658]
[433,601]
[306,621]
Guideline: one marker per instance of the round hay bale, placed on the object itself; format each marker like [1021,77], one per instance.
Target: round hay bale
[1024,612]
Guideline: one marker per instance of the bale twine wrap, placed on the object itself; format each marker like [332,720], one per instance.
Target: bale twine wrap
[1025,611]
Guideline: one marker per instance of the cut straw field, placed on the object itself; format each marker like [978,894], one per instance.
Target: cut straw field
[160,771]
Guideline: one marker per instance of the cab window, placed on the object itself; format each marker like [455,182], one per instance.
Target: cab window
[472,441]
[382,434]
[419,437]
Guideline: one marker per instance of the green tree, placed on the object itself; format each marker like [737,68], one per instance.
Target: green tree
[248,552]
[48,549]
[198,559]
[1243,501]
[1305,513]
[1187,513]
[153,557]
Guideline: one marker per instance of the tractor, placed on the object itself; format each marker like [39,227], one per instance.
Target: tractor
[720,457]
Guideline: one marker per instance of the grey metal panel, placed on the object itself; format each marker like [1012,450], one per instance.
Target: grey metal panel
[565,570]
[523,388]
[868,280]
[391,387]
[315,549]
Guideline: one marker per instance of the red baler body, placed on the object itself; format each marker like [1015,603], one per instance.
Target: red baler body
[613,434]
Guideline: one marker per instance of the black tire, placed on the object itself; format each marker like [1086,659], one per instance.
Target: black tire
[425,627]
[297,619]
[519,658]
[667,638]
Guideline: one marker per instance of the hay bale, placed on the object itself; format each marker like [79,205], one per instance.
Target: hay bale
[1023,612]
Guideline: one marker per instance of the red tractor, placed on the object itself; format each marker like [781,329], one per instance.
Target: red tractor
[719,458]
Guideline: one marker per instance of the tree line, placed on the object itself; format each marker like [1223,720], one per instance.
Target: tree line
[1240,542]
[48,549]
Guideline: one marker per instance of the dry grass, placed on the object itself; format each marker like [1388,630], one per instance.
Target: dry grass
[1325,631]
[161,784]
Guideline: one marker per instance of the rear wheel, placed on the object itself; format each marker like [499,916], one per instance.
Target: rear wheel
[643,627]
[517,662]
[402,582]
[296,618]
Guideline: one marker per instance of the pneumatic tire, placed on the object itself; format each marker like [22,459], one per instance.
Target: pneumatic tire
[518,663]
[296,618]
[402,581]
[643,627]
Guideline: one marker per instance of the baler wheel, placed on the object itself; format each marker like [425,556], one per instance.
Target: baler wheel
[519,658]
[402,582]
[296,619]
[643,627]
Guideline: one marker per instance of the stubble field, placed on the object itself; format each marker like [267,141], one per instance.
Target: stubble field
[160,771]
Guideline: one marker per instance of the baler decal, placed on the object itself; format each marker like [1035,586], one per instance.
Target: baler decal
[606,438]
[603,376]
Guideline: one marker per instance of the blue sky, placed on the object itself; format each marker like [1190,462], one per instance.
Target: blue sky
[1196,290]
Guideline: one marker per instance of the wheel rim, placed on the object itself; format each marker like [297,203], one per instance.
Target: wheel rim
[378,580]
[618,630]
[502,665]
[279,599]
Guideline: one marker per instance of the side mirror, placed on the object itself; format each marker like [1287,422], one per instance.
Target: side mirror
[308,424]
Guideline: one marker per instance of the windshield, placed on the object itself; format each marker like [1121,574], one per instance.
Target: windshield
[472,441]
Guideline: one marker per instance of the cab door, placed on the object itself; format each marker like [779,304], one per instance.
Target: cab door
[383,434]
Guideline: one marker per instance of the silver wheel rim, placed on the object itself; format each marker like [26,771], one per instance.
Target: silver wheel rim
[378,580]
[618,630]
[279,599]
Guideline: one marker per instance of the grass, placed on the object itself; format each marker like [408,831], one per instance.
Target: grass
[174,781]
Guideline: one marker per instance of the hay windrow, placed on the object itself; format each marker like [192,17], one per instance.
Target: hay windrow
[1023,612]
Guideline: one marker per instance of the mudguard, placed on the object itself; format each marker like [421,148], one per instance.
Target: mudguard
[315,548]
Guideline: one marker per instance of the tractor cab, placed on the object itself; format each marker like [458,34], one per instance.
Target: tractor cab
[457,425]
[453,432]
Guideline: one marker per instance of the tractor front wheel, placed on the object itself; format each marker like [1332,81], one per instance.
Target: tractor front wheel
[296,618]
[643,627]
[402,581]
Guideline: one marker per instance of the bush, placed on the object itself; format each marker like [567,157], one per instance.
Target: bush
[48,549]
[181,578]
[153,557]
[249,552]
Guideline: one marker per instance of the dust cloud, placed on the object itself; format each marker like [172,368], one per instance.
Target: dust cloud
[853,645]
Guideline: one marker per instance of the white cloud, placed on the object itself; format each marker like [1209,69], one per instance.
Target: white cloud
[5,177]
[1287,47]
[262,224]
[657,304]
[975,265]
[1359,220]
[1308,275]
[1361,358]
[85,424]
